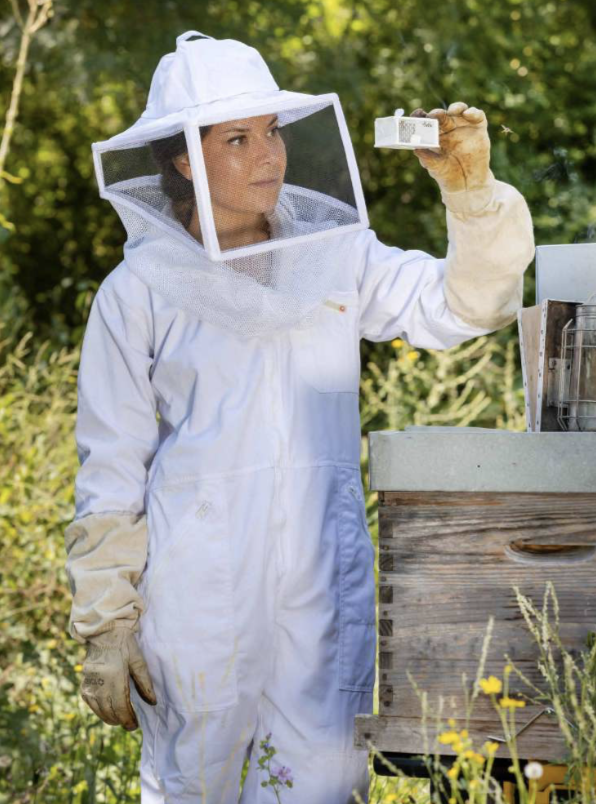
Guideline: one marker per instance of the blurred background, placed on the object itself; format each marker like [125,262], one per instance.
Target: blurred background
[86,68]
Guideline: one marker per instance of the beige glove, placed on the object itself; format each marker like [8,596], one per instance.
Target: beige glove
[491,239]
[462,160]
[111,658]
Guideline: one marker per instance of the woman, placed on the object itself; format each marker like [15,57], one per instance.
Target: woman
[219,554]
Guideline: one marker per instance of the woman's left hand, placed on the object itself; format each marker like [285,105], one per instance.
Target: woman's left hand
[462,160]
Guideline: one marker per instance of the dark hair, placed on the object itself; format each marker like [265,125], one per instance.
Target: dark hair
[176,186]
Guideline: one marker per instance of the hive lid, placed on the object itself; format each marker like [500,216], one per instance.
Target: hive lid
[565,272]
[479,459]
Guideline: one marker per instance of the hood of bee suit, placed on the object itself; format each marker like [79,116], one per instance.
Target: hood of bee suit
[314,195]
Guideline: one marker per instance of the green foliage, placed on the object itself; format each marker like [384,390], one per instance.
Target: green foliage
[477,382]
[570,689]
[52,749]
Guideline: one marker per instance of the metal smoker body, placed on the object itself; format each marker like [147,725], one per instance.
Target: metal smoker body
[557,339]
[576,407]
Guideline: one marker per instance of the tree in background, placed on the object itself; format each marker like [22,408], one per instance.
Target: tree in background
[13,302]
[37,16]
[531,65]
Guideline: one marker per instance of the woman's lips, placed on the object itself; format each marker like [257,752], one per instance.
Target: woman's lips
[268,183]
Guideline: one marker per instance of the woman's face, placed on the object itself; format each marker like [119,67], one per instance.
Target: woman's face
[245,162]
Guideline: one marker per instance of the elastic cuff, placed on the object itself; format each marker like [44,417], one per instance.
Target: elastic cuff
[470,202]
[110,625]
[490,324]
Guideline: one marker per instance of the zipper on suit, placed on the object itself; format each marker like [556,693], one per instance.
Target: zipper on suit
[275,404]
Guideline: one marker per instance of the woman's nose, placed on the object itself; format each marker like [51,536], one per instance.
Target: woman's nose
[267,151]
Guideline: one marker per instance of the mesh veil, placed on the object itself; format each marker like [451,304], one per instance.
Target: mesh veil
[248,231]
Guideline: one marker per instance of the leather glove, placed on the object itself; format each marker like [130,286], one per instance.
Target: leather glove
[462,160]
[111,658]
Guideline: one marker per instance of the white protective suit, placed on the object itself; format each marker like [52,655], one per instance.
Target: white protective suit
[230,534]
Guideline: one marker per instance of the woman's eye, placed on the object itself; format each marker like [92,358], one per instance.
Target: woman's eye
[242,137]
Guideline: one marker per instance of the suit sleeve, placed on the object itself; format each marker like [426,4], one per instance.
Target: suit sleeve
[437,303]
[117,437]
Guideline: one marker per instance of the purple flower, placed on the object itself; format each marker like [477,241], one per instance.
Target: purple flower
[284,774]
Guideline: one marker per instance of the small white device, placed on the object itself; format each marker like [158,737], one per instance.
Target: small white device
[406,132]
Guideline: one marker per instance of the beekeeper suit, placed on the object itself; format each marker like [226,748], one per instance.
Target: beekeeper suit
[219,554]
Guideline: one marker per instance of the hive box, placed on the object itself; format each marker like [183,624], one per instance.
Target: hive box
[464,515]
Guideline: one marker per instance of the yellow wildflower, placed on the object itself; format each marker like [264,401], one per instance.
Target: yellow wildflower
[479,758]
[508,669]
[463,733]
[78,668]
[448,737]
[452,800]
[453,772]
[451,722]
[472,784]
[397,343]
[412,355]
[491,685]
[491,747]
[511,703]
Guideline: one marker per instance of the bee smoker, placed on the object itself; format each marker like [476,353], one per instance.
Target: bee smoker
[558,341]
[576,407]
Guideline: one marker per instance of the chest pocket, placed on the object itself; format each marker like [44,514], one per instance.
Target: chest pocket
[327,352]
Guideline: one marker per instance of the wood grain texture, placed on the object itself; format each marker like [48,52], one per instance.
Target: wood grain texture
[448,562]
[542,741]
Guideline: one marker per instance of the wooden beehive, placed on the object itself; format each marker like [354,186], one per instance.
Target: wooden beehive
[465,515]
